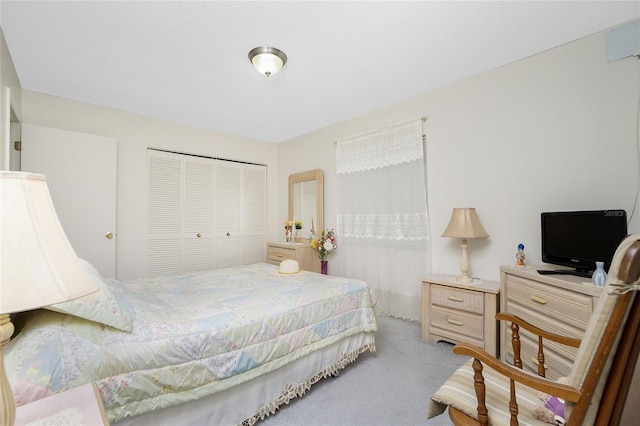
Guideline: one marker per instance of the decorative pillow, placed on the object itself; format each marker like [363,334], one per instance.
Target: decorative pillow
[101,306]
[553,410]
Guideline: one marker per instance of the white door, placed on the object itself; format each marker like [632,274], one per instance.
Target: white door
[228,217]
[240,206]
[254,208]
[180,213]
[81,175]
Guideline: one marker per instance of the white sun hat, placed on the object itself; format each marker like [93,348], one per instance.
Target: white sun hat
[287,267]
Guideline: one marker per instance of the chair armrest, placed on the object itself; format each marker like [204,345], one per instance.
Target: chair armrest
[569,341]
[541,384]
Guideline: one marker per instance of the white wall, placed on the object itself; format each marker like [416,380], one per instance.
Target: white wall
[135,134]
[556,131]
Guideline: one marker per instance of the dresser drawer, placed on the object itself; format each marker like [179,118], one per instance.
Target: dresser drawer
[556,365]
[458,322]
[277,254]
[552,303]
[458,299]
[547,324]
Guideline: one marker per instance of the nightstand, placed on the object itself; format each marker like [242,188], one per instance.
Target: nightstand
[454,312]
[307,258]
[77,406]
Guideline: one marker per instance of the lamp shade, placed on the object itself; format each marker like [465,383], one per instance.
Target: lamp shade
[464,223]
[267,60]
[38,266]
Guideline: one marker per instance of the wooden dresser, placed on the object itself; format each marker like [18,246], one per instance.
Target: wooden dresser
[460,313]
[307,258]
[561,304]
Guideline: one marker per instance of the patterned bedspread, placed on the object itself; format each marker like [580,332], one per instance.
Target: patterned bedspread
[191,336]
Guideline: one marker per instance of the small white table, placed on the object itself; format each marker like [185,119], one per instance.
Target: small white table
[77,406]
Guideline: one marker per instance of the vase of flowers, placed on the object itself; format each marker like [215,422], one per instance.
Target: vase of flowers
[298,225]
[325,245]
[288,230]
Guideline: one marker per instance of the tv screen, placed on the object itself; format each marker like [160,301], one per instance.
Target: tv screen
[578,239]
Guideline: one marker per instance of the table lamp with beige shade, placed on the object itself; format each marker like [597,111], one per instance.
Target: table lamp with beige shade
[38,266]
[464,224]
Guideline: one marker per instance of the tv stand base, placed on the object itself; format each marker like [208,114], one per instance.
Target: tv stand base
[565,272]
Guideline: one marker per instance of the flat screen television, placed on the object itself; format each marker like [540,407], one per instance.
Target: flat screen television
[577,239]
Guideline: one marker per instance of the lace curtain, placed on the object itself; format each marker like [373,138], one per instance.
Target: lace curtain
[383,223]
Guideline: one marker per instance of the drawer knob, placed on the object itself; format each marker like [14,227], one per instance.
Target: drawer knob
[455,298]
[279,254]
[454,321]
[539,300]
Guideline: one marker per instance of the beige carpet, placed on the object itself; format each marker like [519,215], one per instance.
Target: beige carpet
[389,387]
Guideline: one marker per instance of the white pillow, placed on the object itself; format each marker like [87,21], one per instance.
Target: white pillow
[100,306]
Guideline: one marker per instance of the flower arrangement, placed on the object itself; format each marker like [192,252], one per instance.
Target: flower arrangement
[288,230]
[298,224]
[325,244]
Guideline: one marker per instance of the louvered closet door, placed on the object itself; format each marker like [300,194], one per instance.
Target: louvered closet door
[254,207]
[240,210]
[228,200]
[197,236]
[164,214]
[180,213]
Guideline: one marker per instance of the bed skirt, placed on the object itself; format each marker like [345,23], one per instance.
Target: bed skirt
[251,401]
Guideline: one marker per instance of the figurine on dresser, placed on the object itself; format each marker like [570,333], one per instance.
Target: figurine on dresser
[520,256]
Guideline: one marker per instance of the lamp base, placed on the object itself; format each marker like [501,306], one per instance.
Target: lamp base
[465,281]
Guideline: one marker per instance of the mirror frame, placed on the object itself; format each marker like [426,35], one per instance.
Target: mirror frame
[318,176]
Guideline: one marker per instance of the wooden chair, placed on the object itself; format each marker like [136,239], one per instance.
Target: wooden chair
[600,377]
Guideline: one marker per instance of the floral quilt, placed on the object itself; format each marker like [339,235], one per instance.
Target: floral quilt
[191,335]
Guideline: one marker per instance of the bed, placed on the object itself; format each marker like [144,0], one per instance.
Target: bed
[227,346]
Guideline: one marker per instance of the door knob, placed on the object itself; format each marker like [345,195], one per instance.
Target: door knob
[109,235]
[228,234]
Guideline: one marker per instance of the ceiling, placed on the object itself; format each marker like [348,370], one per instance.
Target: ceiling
[187,62]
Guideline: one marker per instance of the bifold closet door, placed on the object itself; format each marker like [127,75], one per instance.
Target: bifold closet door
[203,213]
[180,213]
[240,211]
[254,214]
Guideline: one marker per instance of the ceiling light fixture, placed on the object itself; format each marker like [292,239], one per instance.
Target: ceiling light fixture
[267,60]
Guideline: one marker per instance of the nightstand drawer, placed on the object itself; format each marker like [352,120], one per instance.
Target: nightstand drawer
[458,322]
[279,254]
[456,298]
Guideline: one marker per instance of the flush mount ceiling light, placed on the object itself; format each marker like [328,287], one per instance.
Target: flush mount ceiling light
[267,60]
